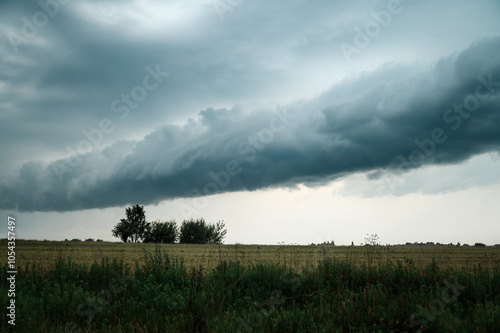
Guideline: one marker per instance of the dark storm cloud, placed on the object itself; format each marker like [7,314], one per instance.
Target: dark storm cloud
[61,78]
[397,117]
[65,77]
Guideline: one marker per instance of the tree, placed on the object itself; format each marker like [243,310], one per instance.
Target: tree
[199,232]
[133,226]
[216,233]
[161,232]
[122,230]
[193,232]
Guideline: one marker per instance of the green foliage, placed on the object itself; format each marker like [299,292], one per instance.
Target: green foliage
[161,232]
[199,232]
[216,232]
[164,296]
[158,260]
[331,243]
[122,230]
[133,226]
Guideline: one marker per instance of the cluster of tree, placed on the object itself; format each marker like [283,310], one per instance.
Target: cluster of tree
[161,232]
[134,228]
[439,244]
[200,232]
[332,243]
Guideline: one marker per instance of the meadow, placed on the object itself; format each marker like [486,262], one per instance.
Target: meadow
[43,254]
[116,287]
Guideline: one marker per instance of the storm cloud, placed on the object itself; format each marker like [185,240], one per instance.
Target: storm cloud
[398,117]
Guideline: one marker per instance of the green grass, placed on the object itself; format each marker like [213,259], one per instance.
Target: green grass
[335,292]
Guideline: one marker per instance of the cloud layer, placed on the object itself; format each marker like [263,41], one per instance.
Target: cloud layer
[397,117]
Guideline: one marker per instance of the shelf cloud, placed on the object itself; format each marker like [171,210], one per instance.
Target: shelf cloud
[397,117]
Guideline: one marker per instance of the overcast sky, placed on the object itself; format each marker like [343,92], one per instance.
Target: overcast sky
[293,121]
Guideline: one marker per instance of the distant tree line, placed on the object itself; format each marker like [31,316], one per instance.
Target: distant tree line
[331,243]
[134,228]
[374,241]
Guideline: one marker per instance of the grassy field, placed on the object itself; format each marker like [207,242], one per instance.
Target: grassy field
[77,287]
[43,254]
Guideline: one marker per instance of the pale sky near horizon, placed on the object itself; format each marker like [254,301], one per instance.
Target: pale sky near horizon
[297,122]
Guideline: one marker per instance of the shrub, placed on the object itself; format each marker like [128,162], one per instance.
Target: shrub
[161,232]
[199,232]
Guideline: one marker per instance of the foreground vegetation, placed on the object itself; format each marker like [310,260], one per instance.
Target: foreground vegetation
[365,290]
